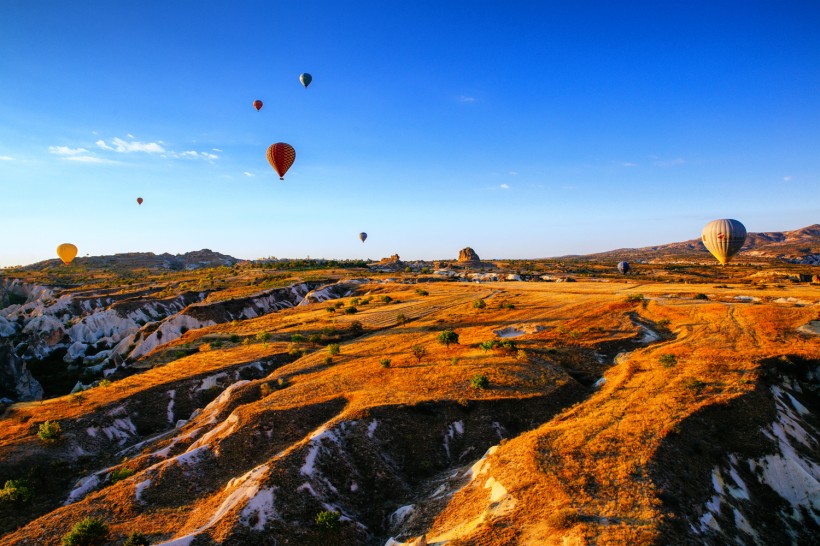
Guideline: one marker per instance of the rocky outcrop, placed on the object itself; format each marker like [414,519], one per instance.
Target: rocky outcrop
[16,382]
[468,256]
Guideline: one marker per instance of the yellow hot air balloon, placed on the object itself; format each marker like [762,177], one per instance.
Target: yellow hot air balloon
[724,238]
[66,252]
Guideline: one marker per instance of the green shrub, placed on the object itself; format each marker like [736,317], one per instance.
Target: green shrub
[664,324]
[366,300]
[385,362]
[425,271]
[509,345]
[354,302]
[327,520]
[479,304]
[479,381]
[235,338]
[668,360]
[263,337]
[50,431]
[401,319]
[386,299]
[487,346]
[297,338]
[121,474]
[693,384]
[419,352]
[330,309]
[265,389]
[88,532]
[295,352]
[447,337]
[356,328]
[328,360]
[422,292]
[104,383]
[15,491]
[454,361]
[333,349]
[339,304]
[701,296]
[564,518]
[635,298]
[136,539]
[351,311]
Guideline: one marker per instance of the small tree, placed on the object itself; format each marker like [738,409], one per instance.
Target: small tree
[351,311]
[88,532]
[487,346]
[50,431]
[479,304]
[422,292]
[385,362]
[333,349]
[15,491]
[136,539]
[401,320]
[386,299]
[356,328]
[668,360]
[263,337]
[447,337]
[314,339]
[121,473]
[479,381]
[328,360]
[327,520]
[297,338]
[419,352]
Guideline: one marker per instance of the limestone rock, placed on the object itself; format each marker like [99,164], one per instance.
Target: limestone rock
[468,255]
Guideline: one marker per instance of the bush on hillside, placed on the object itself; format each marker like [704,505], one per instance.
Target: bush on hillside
[15,492]
[328,520]
[88,532]
[50,431]
[479,381]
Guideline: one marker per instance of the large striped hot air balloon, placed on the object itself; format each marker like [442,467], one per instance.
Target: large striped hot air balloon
[363,236]
[724,238]
[305,79]
[67,252]
[623,267]
[281,156]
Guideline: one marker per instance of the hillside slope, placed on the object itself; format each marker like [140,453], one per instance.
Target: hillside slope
[612,413]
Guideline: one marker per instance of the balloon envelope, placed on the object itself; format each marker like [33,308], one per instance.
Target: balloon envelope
[623,267]
[66,252]
[724,238]
[281,156]
[305,79]
[363,236]
[139,200]
[257,104]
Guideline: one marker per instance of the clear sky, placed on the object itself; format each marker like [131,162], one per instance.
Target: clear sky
[522,129]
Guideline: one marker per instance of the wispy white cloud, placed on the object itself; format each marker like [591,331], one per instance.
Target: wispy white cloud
[465,98]
[129,135]
[787,179]
[513,173]
[122,146]
[567,187]
[671,163]
[6,158]
[246,173]
[87,159]
[216,149]
[629,164]
[192,154]
[65,150]
[504,186]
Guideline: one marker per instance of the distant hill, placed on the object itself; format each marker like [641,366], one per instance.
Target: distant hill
[799,245]
[146,260]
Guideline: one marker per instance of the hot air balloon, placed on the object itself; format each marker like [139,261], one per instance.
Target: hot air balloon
[623,267]
[363,236]
[66,252]
[139,200]
[724,238]
[257,104]
[305,79]
[281,156]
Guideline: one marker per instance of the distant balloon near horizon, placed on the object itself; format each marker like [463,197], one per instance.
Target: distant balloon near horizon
[67,252]
[623,267]
[281,156]
[139,200]
[305,78]
[724,238]
[257,104]
[363,236]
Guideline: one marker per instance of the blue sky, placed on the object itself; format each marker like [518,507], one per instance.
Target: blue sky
[522,129]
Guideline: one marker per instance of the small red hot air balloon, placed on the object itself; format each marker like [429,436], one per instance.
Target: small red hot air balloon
[257,104]
[281,157]
[139,200]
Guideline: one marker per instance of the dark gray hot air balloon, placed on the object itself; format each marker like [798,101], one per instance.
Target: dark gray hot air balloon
[363,236]
[724,238]
[623,267]
[305,79]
